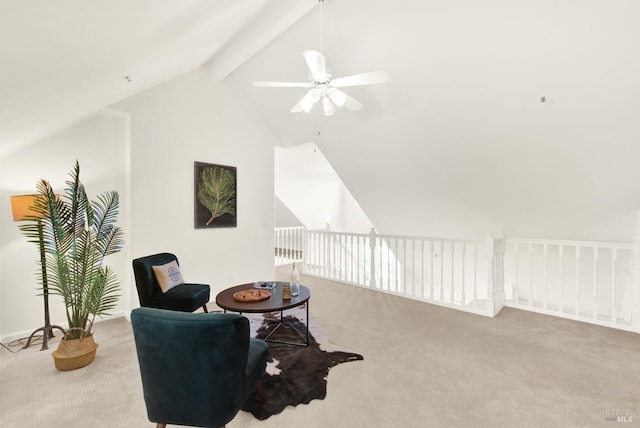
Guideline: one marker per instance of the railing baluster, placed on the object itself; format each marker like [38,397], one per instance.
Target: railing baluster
[311,253]
[314,245]
[545,253]
[287,244]
[405,282]
[327,252]
[578,280]
[307,258]
[413,267]
[395,265]
[358,259]
[287,235]
[343,257]
[560,255]
[475,275]
[530,275]
[362,267]
[376,260]
[347,252]
[431,269]
[327,255]
[337,255]
[354,267]
[352,258]
[332,256]
[442,270]
[422,291]
[381,270]
[464,299]
[319,254]
[306,248]
[277,245]
[595,283]
[614,257]
[516,291]
[453,284]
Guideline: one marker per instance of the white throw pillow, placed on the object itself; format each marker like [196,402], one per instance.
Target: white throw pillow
[168,276]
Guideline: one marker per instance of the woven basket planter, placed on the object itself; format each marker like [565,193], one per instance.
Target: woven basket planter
[75,353]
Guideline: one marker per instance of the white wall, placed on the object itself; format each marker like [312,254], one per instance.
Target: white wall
[98,143]
[192,118]
[307,184]
[283,216]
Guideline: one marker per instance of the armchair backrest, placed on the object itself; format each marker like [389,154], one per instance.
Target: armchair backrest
[146,282]
[193,365]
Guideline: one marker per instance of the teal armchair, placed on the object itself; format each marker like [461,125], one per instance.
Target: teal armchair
[197,369]
[185,297]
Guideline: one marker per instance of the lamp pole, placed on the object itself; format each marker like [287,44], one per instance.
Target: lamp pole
[47,329]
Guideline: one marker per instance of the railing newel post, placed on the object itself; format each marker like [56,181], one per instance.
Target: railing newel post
[635,303]
[495,281]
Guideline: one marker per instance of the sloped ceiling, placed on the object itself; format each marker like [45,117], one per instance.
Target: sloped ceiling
[65,59]
[459,142]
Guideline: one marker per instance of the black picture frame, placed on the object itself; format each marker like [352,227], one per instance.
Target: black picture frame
[219,186]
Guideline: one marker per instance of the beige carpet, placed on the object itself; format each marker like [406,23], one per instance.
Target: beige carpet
[424,366]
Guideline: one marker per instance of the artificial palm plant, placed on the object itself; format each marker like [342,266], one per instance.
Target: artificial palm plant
[77,234]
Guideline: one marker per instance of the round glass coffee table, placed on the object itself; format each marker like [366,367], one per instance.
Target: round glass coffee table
[275,303]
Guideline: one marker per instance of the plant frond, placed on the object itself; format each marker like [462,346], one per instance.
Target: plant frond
[76,236]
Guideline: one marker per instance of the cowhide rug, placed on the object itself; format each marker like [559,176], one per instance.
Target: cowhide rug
[295,375]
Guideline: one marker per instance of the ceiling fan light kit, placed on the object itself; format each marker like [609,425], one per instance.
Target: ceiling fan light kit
[322,86]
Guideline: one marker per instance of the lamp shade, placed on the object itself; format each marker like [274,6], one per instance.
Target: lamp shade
[21,207]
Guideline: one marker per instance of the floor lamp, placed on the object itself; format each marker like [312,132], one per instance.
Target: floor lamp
[21,208]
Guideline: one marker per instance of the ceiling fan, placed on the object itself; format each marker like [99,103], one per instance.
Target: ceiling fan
[324,87]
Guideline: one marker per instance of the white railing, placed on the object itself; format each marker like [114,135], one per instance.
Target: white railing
[587,281]
[288,244]
[339,256]
[443,271]
[596,282]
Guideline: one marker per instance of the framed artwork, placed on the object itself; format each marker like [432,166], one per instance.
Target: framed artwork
[215,197]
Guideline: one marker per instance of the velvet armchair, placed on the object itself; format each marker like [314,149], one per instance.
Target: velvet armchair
[185,297]
[197,369]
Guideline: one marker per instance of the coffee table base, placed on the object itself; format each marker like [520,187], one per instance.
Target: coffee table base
[304,336]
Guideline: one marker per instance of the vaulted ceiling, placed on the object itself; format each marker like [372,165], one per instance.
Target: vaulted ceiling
[63,60]
[458,143]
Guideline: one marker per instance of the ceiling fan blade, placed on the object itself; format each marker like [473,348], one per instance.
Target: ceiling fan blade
[353,104]
[369,78]
[310,98]
[337,96]
[261,84]
[327,106]
[316,64]
[340,99]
